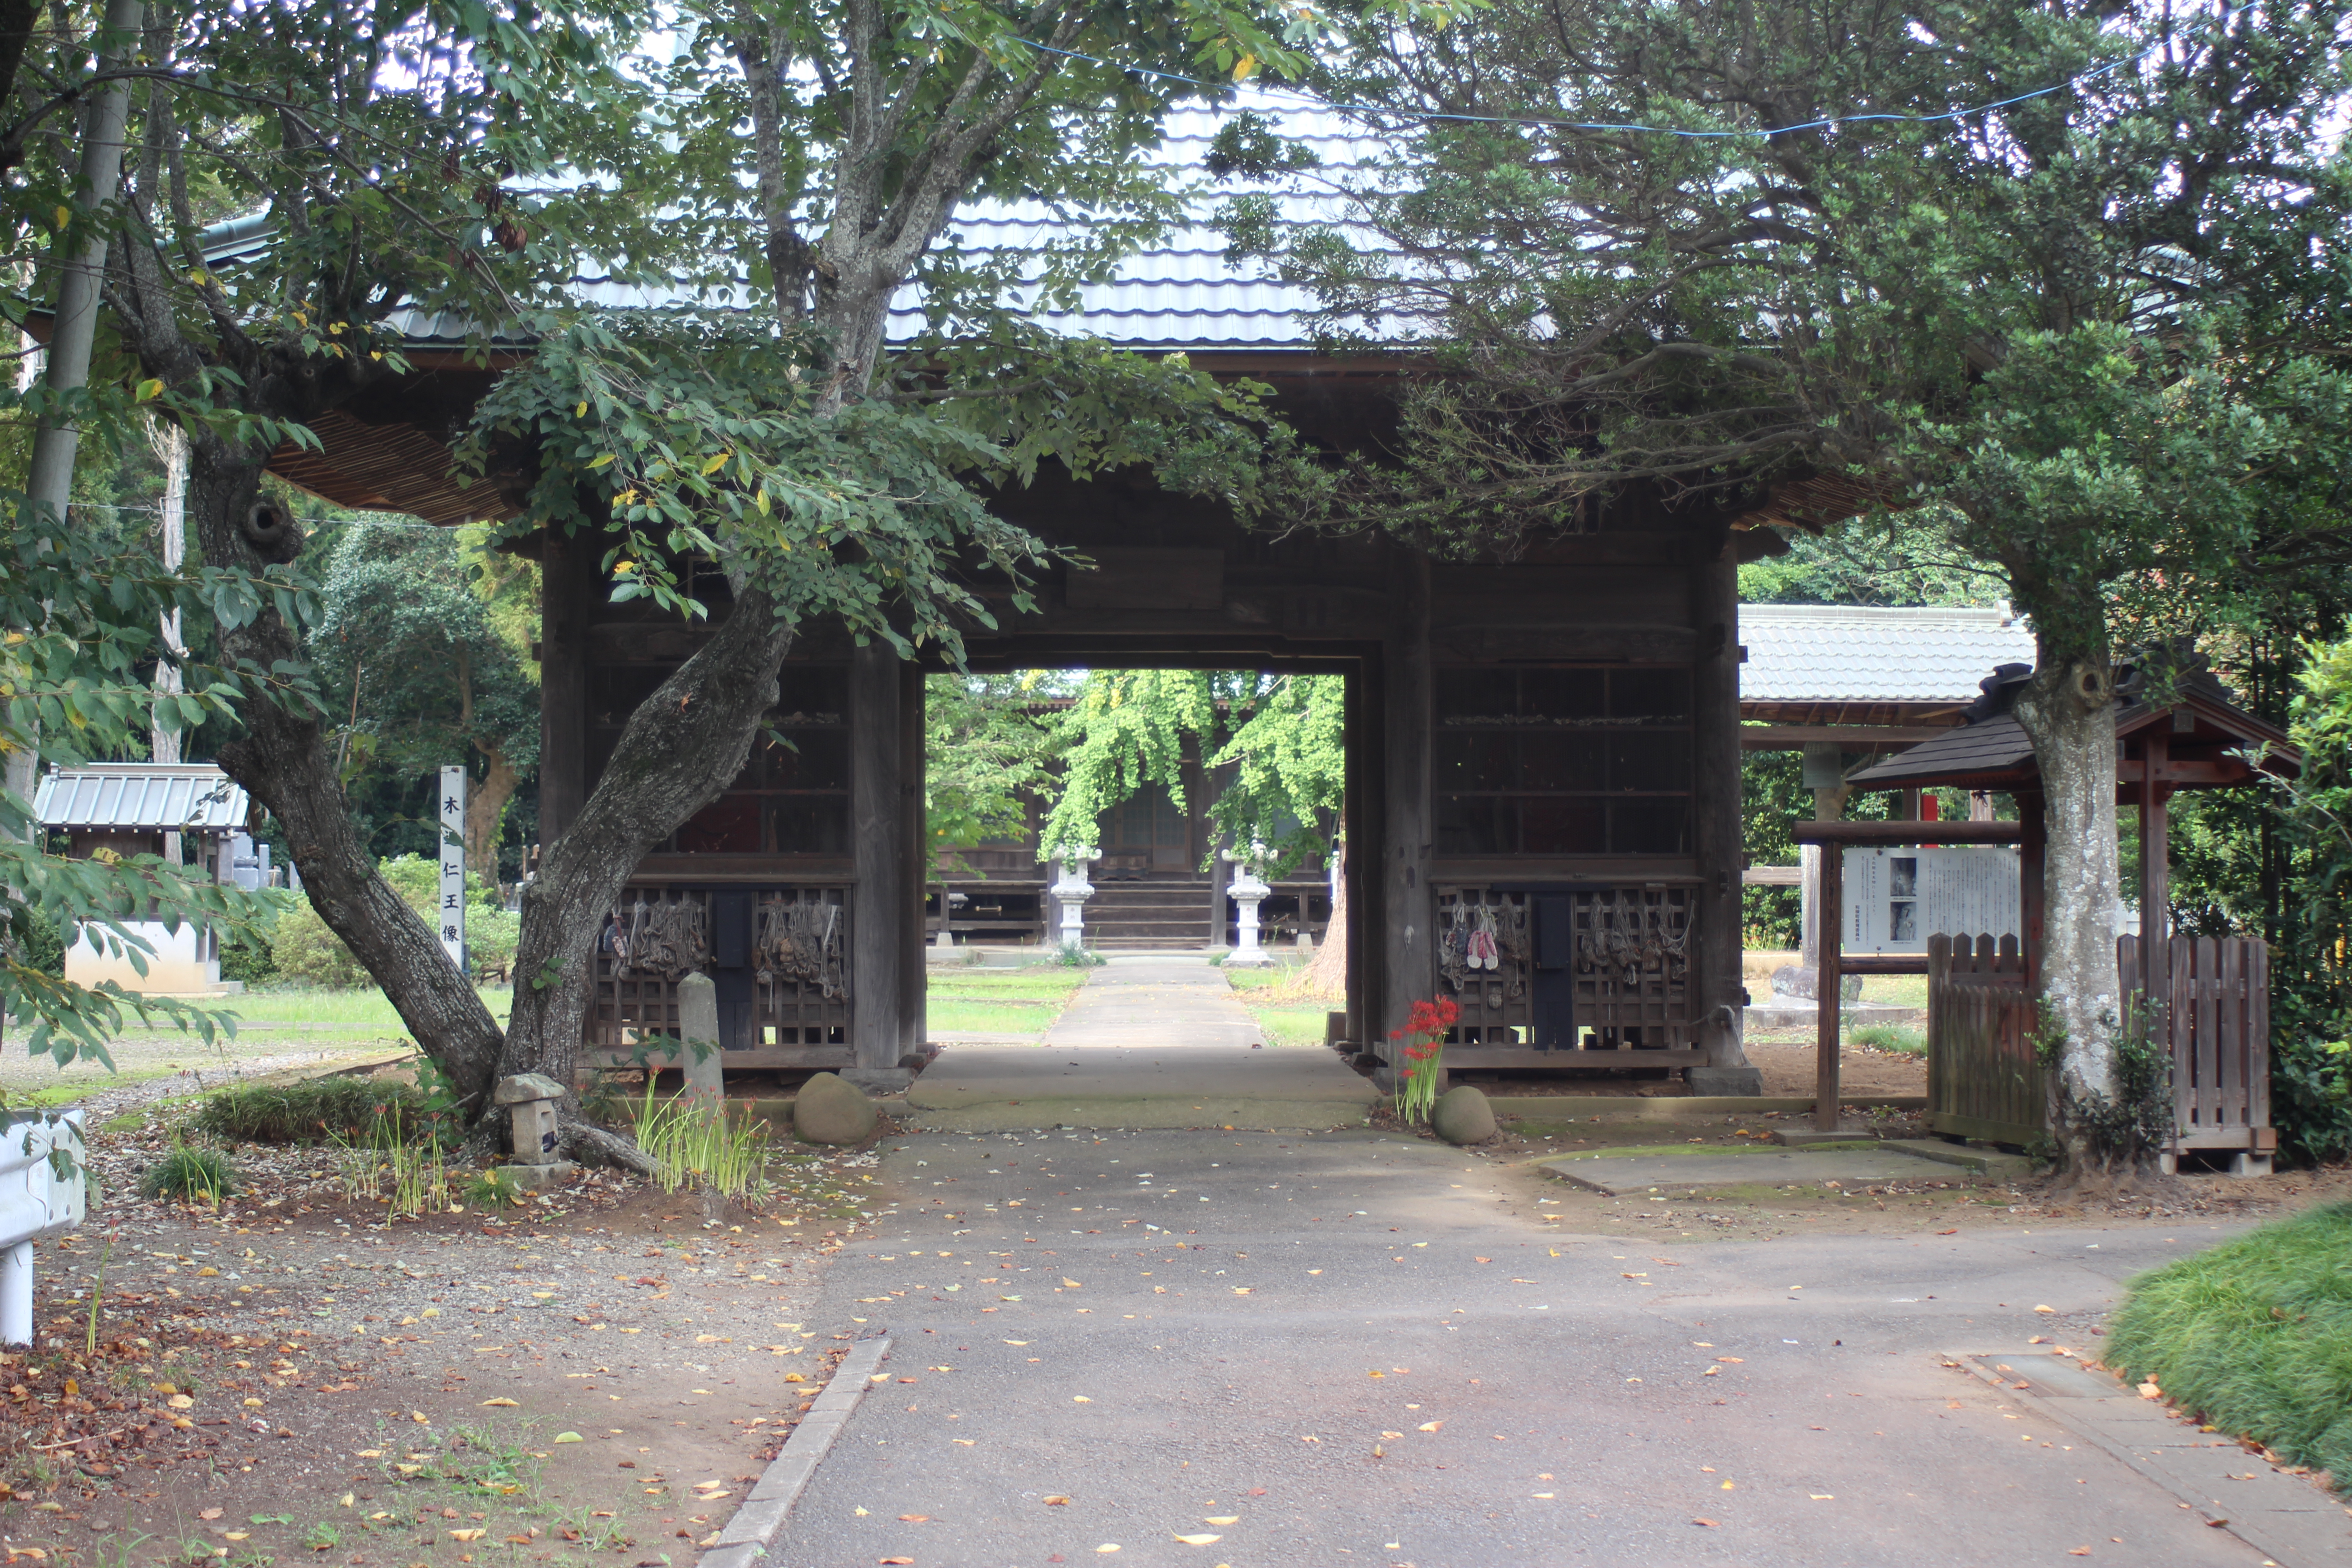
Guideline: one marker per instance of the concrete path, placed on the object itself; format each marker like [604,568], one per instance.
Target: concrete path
[1353,1348]
[1154,1043]
[1727,1169]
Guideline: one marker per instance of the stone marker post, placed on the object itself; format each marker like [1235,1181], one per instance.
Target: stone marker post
[698,1030]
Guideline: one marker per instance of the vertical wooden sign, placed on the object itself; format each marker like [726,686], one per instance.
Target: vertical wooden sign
[452,922]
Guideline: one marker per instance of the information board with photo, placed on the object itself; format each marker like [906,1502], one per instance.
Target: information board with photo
[1897,898]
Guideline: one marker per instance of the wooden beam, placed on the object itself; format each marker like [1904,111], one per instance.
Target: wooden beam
[1849,737]
[1830,983]
[2155,852]
[1410,967]
[1773,877]
[1883,964]
[1897,835]
[1365,804]
[2191,771]
[878,827]
[1715,798]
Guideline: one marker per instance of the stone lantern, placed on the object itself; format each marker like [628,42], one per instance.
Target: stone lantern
[1071,890]
[528,1100]
[1247,891]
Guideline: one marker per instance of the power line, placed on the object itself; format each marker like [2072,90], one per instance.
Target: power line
[1310,102]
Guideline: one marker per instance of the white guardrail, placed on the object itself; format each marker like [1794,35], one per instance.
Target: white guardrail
[35,1202]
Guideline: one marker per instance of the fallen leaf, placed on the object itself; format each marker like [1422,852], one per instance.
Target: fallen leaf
[1486,1260]
[1057,1501]
[914,1518]
[468,1535]
[209,1514]
[1072,1285]
[237,1535]
[2045,1308]
[2149,1390]
[570,1438]
[1224,1519]
[1108,1546]
[504,1404]
[901,1561]
[1708,1523]
[2078,1552]
[1080,1399]
[1430,1425]
[1822,1496]
[1954,1231]
[1200,1540]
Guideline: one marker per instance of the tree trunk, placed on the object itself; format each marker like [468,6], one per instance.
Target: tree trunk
[485,813]
[1325,976]
[2069,711]
[681,747]
[283,758]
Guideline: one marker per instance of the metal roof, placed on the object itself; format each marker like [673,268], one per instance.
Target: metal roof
[1178,293]
[172,797]
[1818,654]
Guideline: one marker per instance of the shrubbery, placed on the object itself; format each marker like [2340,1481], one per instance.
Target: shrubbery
[314,1110]
[304,953]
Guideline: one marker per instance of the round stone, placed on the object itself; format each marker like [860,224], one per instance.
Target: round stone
[1462,1116]
[831,1109]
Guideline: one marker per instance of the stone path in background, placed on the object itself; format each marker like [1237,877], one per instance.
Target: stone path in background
[1159,1042]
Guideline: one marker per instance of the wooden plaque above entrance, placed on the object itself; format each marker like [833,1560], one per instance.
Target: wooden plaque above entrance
[1148,578]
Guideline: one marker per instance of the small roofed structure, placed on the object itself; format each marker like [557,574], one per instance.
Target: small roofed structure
[2189,735]
[154,808]
[1865,679]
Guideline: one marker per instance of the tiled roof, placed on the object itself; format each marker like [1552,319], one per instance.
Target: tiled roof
[190,797]
[1177,293]
[1838,654]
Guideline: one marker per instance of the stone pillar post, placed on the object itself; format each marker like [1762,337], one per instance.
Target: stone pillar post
[1247,891]
[1071,893]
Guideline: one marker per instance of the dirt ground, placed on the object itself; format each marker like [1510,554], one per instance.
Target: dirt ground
[593,1378]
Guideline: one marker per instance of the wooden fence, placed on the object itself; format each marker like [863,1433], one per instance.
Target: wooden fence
[2215,1003]
[1982,1079]
[2214,996]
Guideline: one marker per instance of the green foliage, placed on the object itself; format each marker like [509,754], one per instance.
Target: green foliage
[422,650]
[1888,1038]
[194,1175]
[311,1111]
[492,1189]
[304,951]
[1272,746]
[2311,1097]
[719,1148]
[2255,1336]
[78,614]
[984,755]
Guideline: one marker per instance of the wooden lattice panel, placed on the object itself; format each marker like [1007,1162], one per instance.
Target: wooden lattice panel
[1632,962]
[1496,1009]
[798,945]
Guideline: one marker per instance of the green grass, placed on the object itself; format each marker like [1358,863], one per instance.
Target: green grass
[364,1013]
[1263,979]
[1895,990]
[1000,1001]
[1888,1038]
[1298,1025]
[2255,1336]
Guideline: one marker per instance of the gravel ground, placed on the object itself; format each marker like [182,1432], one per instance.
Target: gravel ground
[592,1378]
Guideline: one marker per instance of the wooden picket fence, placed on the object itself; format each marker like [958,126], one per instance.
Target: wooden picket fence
[1982,1079]
[2214,993]
[2215,1003]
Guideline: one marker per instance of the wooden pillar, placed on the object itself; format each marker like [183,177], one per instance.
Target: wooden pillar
[567,568]
[1830,983]
[2033,853]
[1715,835]
[914,976]
[877,818]
[1410,968]
[2155,852]
[1365,810]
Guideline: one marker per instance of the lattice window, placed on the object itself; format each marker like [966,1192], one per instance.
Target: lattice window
[1475,925]
[1632,963]
[660,934]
